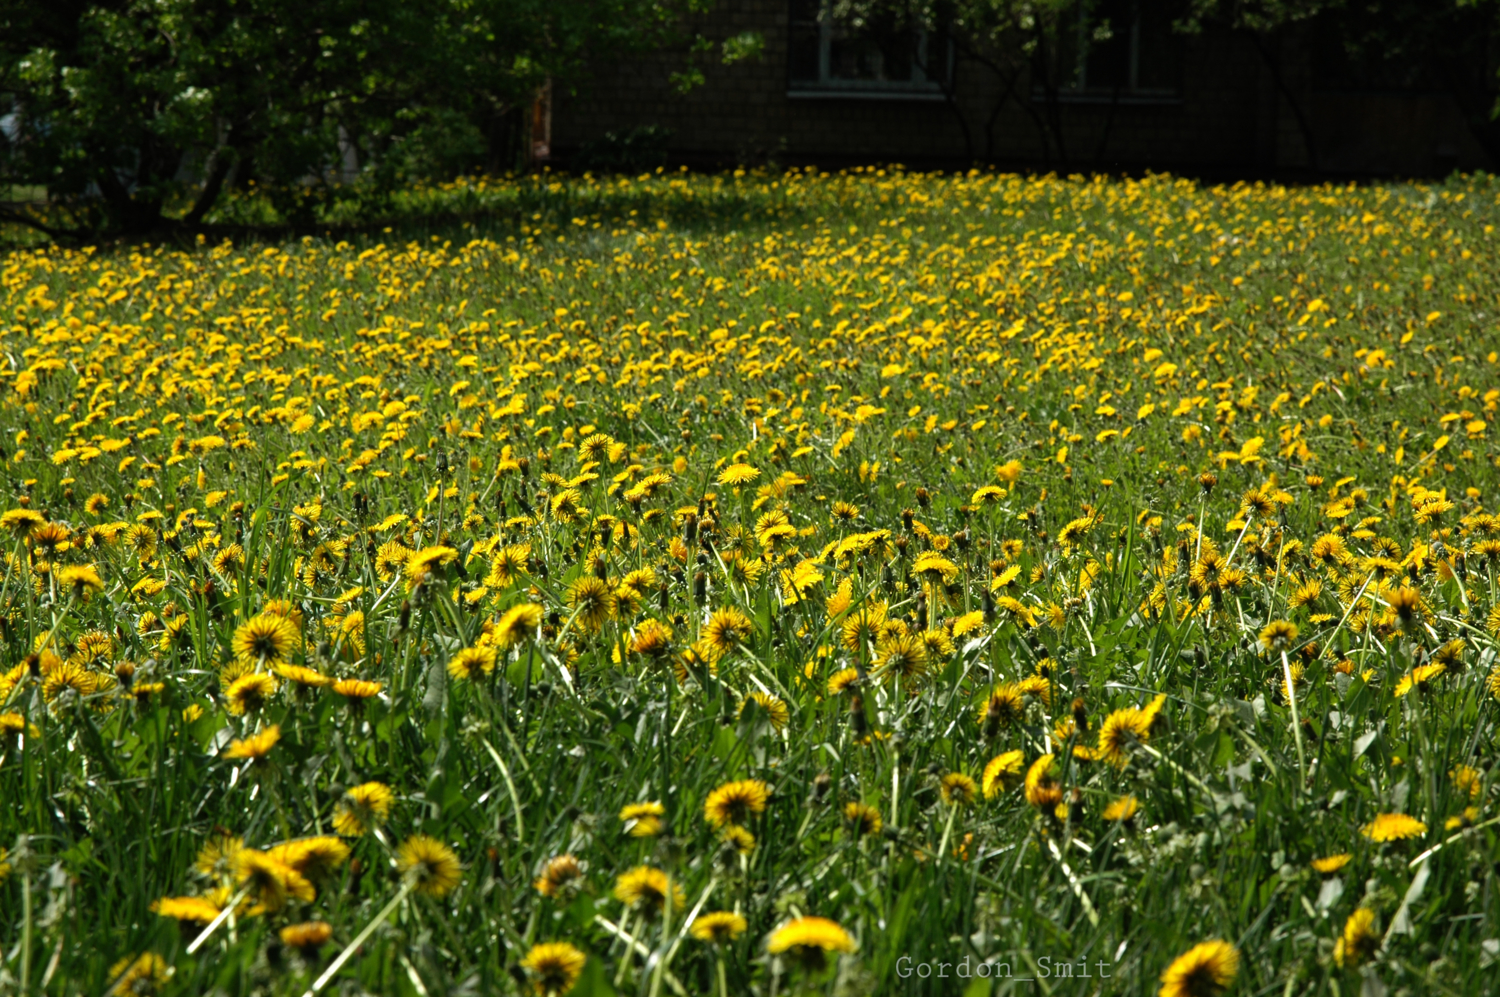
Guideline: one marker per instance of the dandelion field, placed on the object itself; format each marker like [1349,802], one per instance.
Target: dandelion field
[742,584]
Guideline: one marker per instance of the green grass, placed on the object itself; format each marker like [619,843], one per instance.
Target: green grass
[889,340]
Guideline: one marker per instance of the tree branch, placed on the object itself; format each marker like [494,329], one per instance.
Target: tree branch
[222,162]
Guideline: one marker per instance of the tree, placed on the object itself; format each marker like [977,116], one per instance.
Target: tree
[1265,23]
[132,114]
[1444,45]
[1019,42]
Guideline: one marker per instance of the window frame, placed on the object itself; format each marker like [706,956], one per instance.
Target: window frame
[828,87]
[1078,90]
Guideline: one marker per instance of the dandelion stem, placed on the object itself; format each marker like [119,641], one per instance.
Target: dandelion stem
[624,933]
[895,785]
[1078,890]
[1450,840]
[359,940]
[26,930]
[1291,698]
[660,956]
[666,765]
[224,915]
[515,800]
[947,834]
[1174,766]
[1352,603]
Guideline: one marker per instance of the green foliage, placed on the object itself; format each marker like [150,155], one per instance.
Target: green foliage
[132,112]
[632,151]
[748,46]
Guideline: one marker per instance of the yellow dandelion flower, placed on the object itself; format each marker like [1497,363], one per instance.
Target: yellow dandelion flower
[215,859]
[901,656]
[316,858]
[647,889]
[775,709]
[725,630]
[1330,864]
[249,693]
[1205,970]
[1002,773]
[82,580]
[1419,679]
[718,927]
[194,910]
[842,680]
[1278,635]
[302,677]
[363,807]
[266,638]
[957,789]
[271,882]
[1359,940]
[862,818]
[1467,780]
[143,974]
[738,838]
[738,474]
[1042,790]
[592,601]
[1393,827]
[736,802]
[516,625]
[256,747]
[306,937]
[808,940]
[429,865]
[356,691]
[553,968]
[643,820]
[1118,735]
[1003,707]
[560,874]
[472,663]
[1122,810]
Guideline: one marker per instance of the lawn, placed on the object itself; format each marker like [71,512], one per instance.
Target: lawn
[760,583]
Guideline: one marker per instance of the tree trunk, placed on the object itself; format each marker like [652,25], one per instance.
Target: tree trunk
[951,100]
[127,213]
[221,161]
[505,138]
[1305,126]
[1109,125]
[1050,97]
[989,125]
[1477,105]
[1009,81]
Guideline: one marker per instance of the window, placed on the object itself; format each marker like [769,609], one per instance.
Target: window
[834,52]
[1120,50]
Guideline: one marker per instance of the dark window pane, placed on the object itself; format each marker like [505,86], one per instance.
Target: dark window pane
[864,51]
[1127,46]
[806,10]
[877,50]
[934,50]
[803,53]
[1159,58]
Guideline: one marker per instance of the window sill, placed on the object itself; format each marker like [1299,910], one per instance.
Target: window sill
[857,93]
[1105,98]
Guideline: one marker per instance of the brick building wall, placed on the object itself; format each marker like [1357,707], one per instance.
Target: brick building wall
[1231,117]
